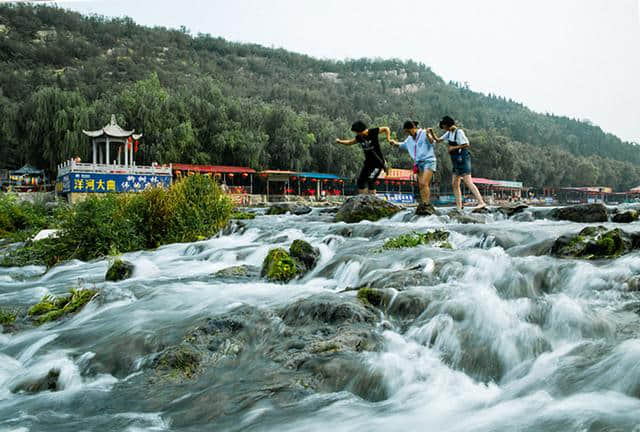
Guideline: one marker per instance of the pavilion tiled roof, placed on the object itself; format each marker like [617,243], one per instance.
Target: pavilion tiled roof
[113,129]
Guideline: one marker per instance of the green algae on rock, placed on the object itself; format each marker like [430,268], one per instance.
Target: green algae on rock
[437,238]
[593,243]
[365,207]
[119,270]
[278,266]
[50,308]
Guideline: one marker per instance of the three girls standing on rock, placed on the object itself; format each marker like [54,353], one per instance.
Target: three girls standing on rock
[420,144]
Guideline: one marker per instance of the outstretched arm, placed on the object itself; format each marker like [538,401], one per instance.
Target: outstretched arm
[433,135]
[352,141]
[386,131]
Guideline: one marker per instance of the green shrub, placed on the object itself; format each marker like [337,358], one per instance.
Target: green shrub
[192,209]
[197,208]
[20,220]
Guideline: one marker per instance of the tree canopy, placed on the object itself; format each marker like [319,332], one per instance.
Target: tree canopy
[201,99]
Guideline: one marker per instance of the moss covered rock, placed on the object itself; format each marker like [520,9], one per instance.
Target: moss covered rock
[365,207]
[278,266]
[372,296]
[593,243]
[625,217]
[119,270]
[242,215]
[50,308]
[7,316]
[303,252]
[426,209]
[437,238]
[178,362]
[587,213]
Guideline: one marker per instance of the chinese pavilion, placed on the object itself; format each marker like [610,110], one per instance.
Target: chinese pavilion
[113,167]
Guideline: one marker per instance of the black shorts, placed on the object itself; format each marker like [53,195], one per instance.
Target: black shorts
[370,172]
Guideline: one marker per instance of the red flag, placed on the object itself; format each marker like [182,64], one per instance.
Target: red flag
[129,140]
[135,149]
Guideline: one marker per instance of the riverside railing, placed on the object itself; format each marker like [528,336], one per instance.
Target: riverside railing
[71,166]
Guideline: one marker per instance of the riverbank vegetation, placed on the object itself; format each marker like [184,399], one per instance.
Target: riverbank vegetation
[21,219]
[191,209]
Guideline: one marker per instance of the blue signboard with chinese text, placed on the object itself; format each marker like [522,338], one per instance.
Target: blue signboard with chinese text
[105,183]
[398,198]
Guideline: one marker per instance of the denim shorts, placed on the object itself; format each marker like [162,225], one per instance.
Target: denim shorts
[461,163]
[427,165]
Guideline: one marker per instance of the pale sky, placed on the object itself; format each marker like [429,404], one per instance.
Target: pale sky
[579,58]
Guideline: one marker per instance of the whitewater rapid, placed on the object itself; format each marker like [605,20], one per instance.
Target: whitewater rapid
[508,338]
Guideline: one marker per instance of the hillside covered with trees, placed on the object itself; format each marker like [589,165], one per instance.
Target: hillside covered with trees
[200,99]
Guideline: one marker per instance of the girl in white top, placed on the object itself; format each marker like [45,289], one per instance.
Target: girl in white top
[460,160]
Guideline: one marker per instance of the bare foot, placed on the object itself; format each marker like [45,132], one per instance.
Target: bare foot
[480,206]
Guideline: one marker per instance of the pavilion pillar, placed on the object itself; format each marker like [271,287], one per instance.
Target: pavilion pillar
[126,154]
[133,161]
[106,145]
[94,151]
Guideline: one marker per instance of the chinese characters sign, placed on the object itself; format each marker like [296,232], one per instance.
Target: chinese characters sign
[104,183]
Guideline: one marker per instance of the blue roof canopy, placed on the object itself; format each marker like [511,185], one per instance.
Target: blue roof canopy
[319,175]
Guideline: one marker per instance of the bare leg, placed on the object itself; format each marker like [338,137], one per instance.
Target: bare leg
[424,181]
[372,191]
[474,190]
[363,191]
[455,184]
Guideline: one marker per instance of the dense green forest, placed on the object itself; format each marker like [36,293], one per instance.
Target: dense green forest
[200,99]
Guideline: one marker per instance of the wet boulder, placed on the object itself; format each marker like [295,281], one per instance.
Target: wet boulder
[436,238]
[119,270]
[325,309]
[513,209]
[365,207]
[594,243]
[426,209]
[284,208]
[278,266]
[305,254]
[238,272]
[181,361]
[463,218]
[587,213]
[625,217]
[49,382]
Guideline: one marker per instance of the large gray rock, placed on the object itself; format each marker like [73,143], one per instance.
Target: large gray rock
[587,213]
[595,243]
[625,217]
[510,210]
[283,208]
[365,207]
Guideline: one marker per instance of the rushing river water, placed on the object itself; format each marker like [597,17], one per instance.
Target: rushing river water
[494,335]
